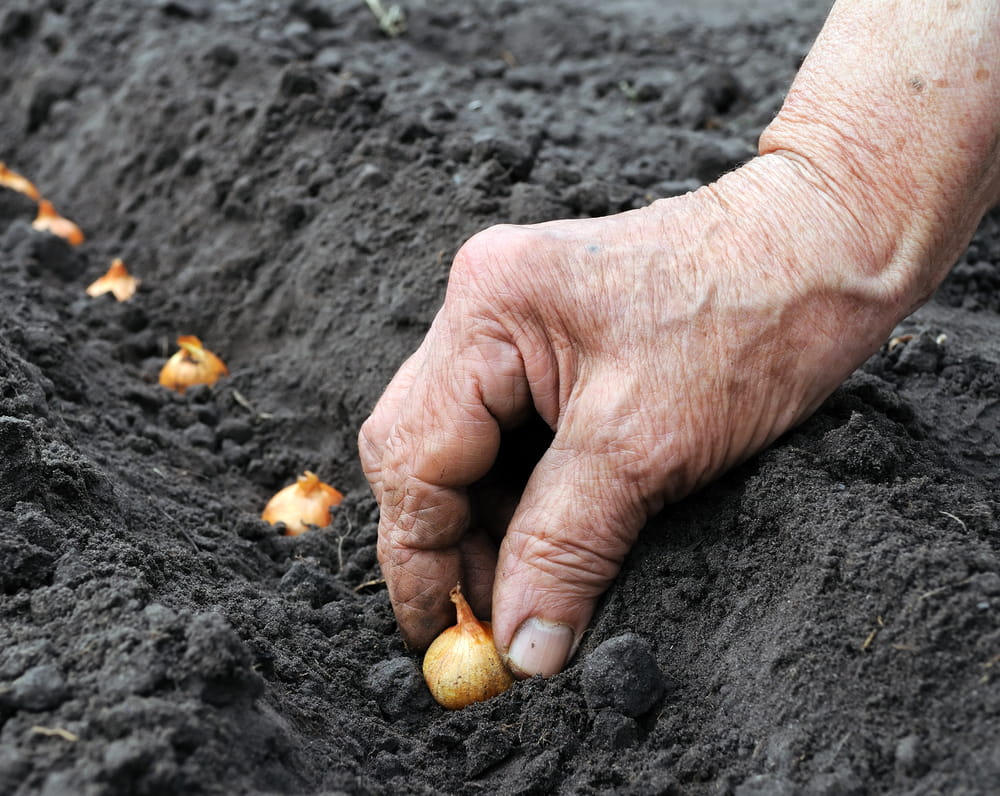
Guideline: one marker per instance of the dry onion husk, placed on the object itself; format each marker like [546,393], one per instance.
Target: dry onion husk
[462,665]
[192,364]
[117,281]
[302,505]
[48,220]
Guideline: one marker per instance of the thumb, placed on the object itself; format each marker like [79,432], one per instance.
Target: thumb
[577,519]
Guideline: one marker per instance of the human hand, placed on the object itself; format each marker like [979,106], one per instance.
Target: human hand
[661,346]
[666,344]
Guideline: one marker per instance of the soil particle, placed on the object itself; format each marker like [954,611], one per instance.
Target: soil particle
[16,206]
[909,759]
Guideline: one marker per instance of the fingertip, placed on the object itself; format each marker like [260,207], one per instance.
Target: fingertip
[418,582]
[421,621]
[419,636]
[540,647]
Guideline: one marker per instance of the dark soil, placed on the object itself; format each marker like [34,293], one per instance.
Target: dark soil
[291,185]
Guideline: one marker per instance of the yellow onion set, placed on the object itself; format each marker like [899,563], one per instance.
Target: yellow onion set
[117,281]
[462,665]
[302,505]
[48,220]
[192,364]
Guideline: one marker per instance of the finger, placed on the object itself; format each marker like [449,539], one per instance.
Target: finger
[445,437]
[578,517]
[374,433]
[414,578]
[423,615]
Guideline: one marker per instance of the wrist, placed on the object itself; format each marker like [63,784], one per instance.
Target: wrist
[803,290]
[895,115]
[914,218]
[820,251]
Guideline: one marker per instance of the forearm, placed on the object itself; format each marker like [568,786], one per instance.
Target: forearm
[896,112]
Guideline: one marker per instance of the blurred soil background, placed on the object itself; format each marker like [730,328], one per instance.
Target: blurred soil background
[291,183]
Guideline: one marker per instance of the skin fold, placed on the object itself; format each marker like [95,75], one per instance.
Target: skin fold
[664,345]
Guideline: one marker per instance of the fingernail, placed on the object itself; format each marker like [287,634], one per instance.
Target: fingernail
[540,647]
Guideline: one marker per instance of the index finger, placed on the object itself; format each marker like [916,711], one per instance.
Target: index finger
[446,436]
[374,433]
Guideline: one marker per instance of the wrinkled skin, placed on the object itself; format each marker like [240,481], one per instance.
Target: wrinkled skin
[663,345]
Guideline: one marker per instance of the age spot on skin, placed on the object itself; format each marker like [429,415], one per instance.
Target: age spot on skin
[982,75]
[954,5]
[940,83]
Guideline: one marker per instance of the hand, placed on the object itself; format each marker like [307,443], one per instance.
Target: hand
[661,346]
[664,345]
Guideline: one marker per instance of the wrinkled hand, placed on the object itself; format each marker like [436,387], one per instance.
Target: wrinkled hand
[661,346]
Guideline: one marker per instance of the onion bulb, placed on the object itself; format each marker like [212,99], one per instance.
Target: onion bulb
[48,220]
[303,504]
[14,181]
[462,665]
[117,281]
[193,364]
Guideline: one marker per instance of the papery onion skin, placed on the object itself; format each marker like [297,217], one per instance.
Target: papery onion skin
[14,181]
[117,281]
[193,364]
[302,505]
[462,665]
[48,220]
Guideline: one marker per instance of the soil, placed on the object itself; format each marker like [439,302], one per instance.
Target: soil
[290,183]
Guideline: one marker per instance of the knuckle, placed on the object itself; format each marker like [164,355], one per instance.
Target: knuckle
[391,554]
[369,449]
[584,565]
[488,254]
[421,517]
[395,460]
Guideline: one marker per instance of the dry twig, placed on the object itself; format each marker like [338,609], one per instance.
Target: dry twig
[391,20]
[57,732]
